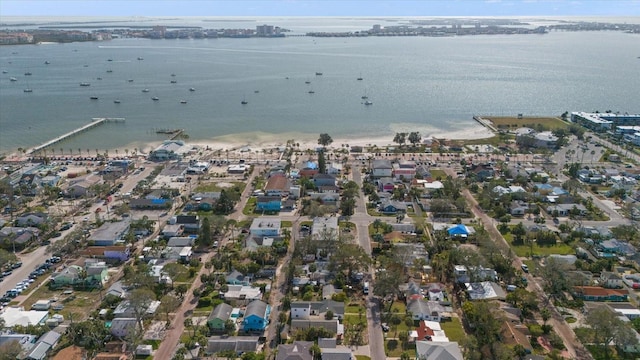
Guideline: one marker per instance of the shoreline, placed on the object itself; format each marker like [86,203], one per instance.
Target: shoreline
[259,142]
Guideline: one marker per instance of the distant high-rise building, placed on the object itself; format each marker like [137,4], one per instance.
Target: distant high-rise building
[377,28]
[264,30]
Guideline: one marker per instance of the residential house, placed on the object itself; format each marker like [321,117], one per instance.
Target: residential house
[299,350]
[332,326]
[219,316]
[150,204]
[392,207]
[335,168]
[126,310]
[482,172]
[242,293]
[180,241]
[17,237]
[81,187]
[13,316]
[256,316]
[486,290]
[617,247]
[170,230]
[567,209]
[269,203]
[460,230]
[513,334]
[429,350]
[31,219]
[110,233]
[238,344]
[404,170]
[381,168]
[277,185]
[518,208]
[68,276]
[324,180]
[45,343]
[96,271]
[265,227]
[309,309]
[610,280]
[596,293]
[190,223]
[430,331]
[121,327]
[338,353]
[235,277]
[627,310]
[425,310]
[386,185]
[108,253]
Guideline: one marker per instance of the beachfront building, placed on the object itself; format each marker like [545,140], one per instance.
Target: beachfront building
[604,121]
[381,169]
[169,150]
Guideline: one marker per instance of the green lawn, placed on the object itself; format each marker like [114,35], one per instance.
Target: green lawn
[362,357]
[355,319]
[559,248]
[214,187]
[436,173]
[453,329]
[550,123]
[353,309]
[286,224]
[393,348]
[250,207]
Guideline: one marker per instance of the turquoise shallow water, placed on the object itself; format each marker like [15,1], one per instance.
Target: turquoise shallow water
[425,84]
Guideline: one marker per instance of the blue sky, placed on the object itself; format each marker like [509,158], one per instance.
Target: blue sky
[319,8]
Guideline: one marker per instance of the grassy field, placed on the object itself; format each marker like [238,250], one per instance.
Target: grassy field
[214,187]
[509,122]
[353,309]
[559,248]
[355,319]
[362,357]
[76,305]
[453,329]
[250,207]
[438,174]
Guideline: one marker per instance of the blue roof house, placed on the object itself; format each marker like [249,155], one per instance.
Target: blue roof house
[256,316]
[460,230]
[269,203]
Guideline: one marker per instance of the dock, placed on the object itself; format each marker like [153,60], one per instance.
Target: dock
[94,122]
[486,123]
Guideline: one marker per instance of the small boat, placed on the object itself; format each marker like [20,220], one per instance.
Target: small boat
[364,97]
[93,98]
[130,80]
[360,78]
[27,74]
[27,90]
[257,91]
[145,90]
[116,101]
[99,78]
[192,89]
[367,103]
[173,74]
[140,58]
[109,71]
[85,65]
[109,59]
[311,92]
[244,102]
[183,101]
[85,84]
[318,74]
[307,82]
[13,79]
[155,98]
[47,63]
[174,81]
[4,71]
[287,78]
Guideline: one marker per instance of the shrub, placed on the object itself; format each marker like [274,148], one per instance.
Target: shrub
[204,302]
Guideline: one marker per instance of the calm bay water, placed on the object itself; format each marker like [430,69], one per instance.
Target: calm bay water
[431,85]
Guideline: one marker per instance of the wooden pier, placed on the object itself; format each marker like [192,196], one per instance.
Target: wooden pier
[94,122]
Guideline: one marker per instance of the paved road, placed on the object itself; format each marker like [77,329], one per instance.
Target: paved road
[574,347]
[172,338]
